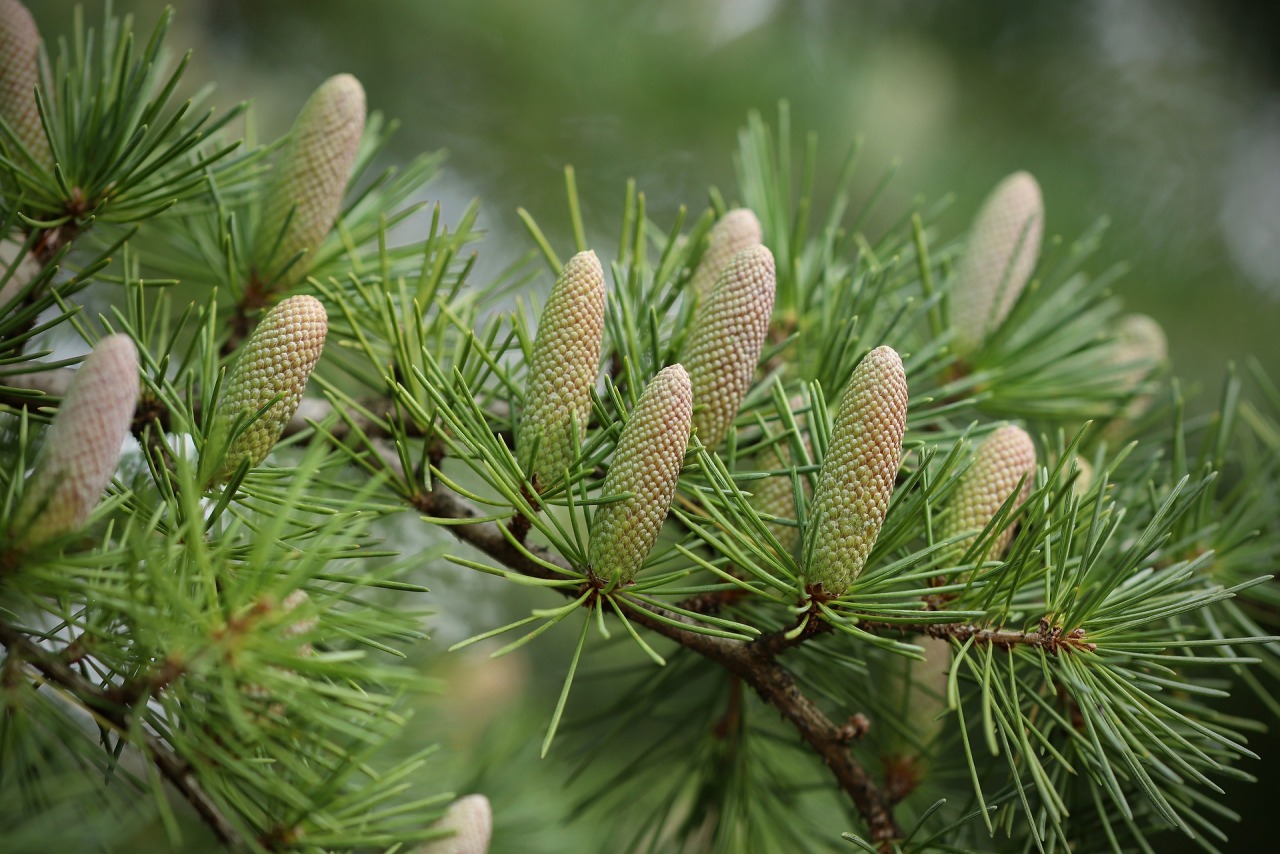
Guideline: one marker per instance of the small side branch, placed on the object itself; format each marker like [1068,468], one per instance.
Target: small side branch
[752,663]
[107,709]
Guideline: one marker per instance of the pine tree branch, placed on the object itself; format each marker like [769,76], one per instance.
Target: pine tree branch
[107,708]
[1047,636]
[753,663]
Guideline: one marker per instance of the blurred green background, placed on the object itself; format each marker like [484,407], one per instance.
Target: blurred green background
[1162,114]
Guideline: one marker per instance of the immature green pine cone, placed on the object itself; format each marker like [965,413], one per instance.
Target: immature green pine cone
[738,229]
[566,361]
[1003,247]
[19,74]
[471,820]
[646,464]
[276,360]
[728,334]
[1005,457]
[857,476]
[82,447]
[311,172]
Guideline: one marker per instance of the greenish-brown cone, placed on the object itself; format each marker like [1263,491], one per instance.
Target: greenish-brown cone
[1004,458]
[19,74]
[1003,248]
[645,464]
[728,335]
[308,181]
[471,820]
[566,361]
[856,480]
[82,448]
[738,229]
[275,364]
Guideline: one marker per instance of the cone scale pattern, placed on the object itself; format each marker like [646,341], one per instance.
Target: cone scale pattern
[82,448]
[1005,457]
[310,176]
[856,480]
[277,360]
[471,820]
[566,359]
[728,335]
[1003,248]
[737,230]
[19,74]
[646,464]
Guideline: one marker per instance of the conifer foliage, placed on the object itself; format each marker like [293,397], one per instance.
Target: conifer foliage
[881,540]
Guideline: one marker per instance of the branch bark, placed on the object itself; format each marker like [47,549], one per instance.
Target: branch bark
[752,662]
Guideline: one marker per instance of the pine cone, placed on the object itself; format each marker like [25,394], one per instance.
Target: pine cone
[646,463]
[471,820]
[19,75]
[1003,248]
[856,480]
[1140,348]
[1005,457]
[728,334]
[737,230]
[310,176]
[82,448]
[277,360]
[566,360]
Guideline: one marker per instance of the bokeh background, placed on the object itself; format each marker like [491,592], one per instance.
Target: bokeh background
[1163,115]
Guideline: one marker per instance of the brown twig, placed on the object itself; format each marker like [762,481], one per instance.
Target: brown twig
[1050,638]
[107,709]
[754,663]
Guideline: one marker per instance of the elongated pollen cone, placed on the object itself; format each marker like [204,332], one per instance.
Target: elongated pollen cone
[471,820]
[728,336]
[1005,457]
[19,74]
[82,448]
[566,360]
[1003,248]
[646,464]
[275,364]
[1140,348]
[856,480]
[310,176]
[737,230]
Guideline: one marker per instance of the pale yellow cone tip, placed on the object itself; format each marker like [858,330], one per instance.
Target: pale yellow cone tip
[471,820]
[82,448]
[1004,245]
